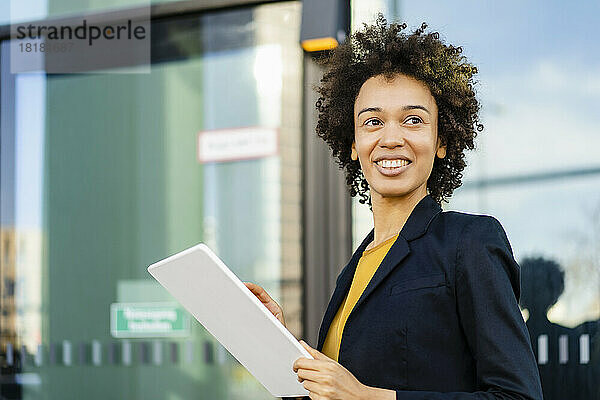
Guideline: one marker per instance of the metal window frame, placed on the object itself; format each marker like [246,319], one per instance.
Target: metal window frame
[327,213]
[157,11]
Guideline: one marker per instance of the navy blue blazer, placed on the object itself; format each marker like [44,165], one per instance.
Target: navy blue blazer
[440,317]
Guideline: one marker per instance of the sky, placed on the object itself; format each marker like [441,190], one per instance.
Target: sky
[539,77]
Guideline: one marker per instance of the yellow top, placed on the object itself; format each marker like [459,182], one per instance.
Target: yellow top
[367,265]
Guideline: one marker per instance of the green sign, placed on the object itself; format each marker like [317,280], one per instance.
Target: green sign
[137,320]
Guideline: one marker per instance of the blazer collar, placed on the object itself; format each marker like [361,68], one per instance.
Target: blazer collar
[416,225]
[420,218]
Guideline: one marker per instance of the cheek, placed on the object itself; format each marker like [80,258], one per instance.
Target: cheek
[364,161]
[426,150]
[363,149]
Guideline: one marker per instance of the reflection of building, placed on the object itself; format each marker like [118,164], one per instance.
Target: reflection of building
[121,186]
[28,289]
[290,187]
[20,294]
[8,313]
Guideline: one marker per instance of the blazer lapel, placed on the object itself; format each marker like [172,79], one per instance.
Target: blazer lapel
[415,226]
[394,256]
[342,286]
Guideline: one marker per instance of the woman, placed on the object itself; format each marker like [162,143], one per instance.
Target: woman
[427,308]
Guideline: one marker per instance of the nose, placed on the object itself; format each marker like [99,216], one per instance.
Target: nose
[391,136]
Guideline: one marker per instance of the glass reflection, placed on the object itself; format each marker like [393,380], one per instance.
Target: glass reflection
[101,177]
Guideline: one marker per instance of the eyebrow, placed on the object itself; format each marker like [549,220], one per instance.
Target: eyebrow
[405,108]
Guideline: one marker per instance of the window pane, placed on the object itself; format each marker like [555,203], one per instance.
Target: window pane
[101,177]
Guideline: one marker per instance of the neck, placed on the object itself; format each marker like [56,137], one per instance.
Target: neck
[391,213]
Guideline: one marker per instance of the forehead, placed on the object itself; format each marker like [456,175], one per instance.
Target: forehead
[378,91]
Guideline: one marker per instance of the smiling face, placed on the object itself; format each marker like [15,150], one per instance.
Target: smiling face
[395,136]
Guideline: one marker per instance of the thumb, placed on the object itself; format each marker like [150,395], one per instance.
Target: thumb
[314,352]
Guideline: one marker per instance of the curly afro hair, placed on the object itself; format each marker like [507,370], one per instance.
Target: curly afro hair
[382,49]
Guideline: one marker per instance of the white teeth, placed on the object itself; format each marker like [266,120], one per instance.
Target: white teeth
[392,163]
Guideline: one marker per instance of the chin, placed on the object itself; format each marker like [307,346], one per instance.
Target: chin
[387,190]
[393,192]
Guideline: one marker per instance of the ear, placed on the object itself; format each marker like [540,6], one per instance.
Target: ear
[354,153]
[441,150]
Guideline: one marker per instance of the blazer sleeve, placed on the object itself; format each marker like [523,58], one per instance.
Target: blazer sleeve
[487,292]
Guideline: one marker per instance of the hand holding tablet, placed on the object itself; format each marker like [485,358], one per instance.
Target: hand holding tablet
[235,316]
[264,297]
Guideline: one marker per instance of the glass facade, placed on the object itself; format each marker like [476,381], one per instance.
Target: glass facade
[102,175]
[14,11]
[536,167]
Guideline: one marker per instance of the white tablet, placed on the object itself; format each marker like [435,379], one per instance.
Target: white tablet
[221,302]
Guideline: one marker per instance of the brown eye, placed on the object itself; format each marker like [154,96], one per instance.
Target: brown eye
[415,120]
[373,122]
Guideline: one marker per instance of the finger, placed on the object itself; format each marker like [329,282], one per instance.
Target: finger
[279,316]
[315,389]
[267,301]
[254,288]
[308,375]
[262,294]
[314,352]
[306,363]
[259,292]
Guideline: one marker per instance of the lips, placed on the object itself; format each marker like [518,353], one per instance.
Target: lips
[391,171]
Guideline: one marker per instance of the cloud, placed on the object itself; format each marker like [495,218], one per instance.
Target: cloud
[566,78]
[543,120]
